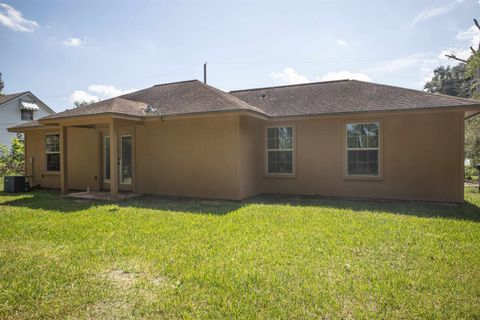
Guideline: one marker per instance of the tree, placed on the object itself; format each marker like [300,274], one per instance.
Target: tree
[472,139]
[472,63]
[452,81]
[457,82]
[12,160]
[79,104]
[463,81]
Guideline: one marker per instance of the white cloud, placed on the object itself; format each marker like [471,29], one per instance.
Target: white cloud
[466,39]
[419,66]
[73,42]
[13,19]
[108,91]
[399,64]
[424,64]
[435,11]
[290,76]
[344,75]
[97,92]
[82,96]
[471,35]
[341,42]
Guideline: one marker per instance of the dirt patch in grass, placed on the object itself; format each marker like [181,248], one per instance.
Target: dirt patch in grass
[109,310]
[133,289]
[126,280]
[122,278]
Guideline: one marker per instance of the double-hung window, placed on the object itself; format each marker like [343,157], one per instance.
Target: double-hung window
[52,150]
[280,150]
[363,149]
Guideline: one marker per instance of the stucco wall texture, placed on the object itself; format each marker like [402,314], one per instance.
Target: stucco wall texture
[223,157]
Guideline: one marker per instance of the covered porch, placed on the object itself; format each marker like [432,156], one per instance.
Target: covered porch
[103,146]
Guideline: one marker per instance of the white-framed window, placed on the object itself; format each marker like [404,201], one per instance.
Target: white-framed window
[106,159]
[280,155]
[52,151]
[363,149]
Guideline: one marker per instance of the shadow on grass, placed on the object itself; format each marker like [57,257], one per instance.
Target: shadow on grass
[49,200]
[469,210]
[52,201]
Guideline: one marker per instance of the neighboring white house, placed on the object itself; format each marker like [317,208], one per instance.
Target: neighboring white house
[17,108]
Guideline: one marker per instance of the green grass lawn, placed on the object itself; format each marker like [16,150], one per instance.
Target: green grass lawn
[267,258]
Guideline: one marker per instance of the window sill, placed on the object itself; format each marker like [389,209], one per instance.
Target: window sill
[280,175]
[367,178]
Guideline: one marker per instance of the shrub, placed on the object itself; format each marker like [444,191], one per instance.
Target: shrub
[12,160]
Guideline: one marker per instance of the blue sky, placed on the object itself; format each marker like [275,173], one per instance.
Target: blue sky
[73,50]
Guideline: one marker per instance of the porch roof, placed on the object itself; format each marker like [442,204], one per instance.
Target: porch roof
[27,125]
[110,106]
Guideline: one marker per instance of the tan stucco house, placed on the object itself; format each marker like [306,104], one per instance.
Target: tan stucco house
[339,138]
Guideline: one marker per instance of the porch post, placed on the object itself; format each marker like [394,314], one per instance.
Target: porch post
[63,160]
[113,159]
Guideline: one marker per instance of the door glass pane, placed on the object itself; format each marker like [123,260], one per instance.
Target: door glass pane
[126,167]
[107,159]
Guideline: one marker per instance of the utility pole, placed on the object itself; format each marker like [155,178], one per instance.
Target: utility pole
[205,73]
[1,84]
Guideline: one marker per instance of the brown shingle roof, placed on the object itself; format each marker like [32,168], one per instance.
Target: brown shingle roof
[31,124]
[331,97]
[189,97]
[186,97]
[110,106]
[343,96]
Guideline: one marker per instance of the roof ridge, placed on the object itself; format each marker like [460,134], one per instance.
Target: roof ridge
[419,91]
[123,96]
[228,96]
[292,85]
[169,83]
